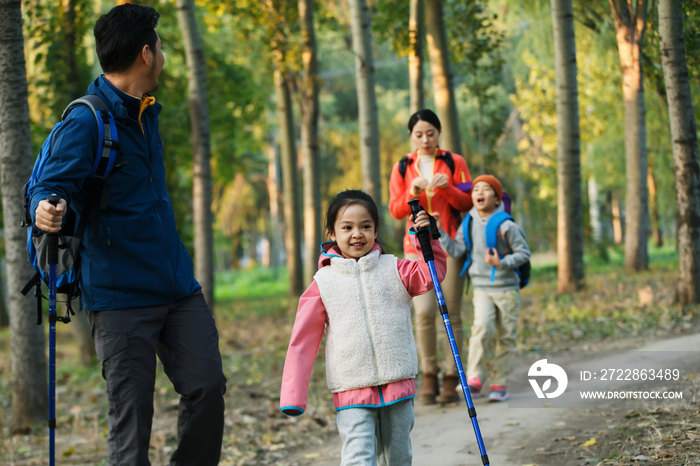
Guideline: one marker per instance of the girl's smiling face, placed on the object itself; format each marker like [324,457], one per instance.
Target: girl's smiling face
[354,231]
[484,198]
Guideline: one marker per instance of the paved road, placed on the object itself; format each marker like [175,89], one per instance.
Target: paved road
[444,436]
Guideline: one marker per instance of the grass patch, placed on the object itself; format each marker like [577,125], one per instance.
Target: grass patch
[253,283]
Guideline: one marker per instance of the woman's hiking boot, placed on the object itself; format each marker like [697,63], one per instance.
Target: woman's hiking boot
[430,389]
[449,389]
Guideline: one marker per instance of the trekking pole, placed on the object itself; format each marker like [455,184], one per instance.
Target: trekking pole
[53,261]
[423,235]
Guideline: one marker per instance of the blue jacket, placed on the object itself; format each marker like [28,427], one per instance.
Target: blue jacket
[139,259]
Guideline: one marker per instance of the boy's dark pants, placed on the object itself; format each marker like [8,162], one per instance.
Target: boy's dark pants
[184,337]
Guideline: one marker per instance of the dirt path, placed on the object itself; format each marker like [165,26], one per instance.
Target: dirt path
[444,436]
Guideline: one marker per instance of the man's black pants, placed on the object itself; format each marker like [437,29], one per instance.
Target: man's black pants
[184,337]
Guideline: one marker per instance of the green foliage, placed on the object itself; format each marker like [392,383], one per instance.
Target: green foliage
[390,25]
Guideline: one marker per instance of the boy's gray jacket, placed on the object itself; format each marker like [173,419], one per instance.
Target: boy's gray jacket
[479,271]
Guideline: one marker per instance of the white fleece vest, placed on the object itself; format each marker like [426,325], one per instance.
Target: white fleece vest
[370,338]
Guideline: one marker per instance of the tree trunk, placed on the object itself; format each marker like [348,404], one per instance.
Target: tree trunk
[617,219]
[4,317]
[570,206]
[361,25]
[29,368]
[309,141]
[82,333]
[416,31]
[71,42]
[685,149]
[201,145]
[629,26]
[480,134]
[443,88]
[654,206]
[594,211]
[276,226]
[289,181]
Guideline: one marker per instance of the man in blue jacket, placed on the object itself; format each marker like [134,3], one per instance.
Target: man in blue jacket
[137,279]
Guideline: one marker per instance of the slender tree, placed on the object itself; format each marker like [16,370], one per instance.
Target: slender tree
[655,222]
[201,144]
[367,101]
[29,368]
[288,156]
[4,318]
[416,30]
[569,205]
[629,17]
[594,213]
[309,140]
[685,148]
[443,87]
[276,225]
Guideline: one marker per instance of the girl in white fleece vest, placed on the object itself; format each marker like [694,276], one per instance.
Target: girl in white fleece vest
[361,298]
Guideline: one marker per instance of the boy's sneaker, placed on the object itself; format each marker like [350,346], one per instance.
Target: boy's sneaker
[498,393]
[474,384]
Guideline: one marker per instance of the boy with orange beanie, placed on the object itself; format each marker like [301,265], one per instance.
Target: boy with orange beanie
[496,287]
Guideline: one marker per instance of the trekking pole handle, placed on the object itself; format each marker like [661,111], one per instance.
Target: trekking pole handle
[423,234]
[53,199]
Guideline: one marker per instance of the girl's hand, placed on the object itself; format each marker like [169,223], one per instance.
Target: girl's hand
[418,185]
[439,181]
[492,258]
[421,220]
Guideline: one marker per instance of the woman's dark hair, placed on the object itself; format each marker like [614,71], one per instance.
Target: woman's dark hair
[424,115]
[347,198]
[121,34]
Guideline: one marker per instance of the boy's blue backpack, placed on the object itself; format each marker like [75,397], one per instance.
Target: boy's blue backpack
[104,166]
[493,241]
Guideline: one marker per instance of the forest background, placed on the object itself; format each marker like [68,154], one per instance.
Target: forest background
[506,109]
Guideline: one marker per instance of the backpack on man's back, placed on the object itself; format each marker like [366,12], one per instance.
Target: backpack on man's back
[105,164]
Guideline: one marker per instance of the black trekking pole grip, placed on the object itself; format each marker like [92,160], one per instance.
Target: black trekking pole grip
[423,234]
[52,253]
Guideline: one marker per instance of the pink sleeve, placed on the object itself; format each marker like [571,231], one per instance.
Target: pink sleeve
[415,275]
[307,334]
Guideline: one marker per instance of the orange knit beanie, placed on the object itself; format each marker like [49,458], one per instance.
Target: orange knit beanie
[492,181]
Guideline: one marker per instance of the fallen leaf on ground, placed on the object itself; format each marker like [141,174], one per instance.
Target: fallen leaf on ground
[588,443]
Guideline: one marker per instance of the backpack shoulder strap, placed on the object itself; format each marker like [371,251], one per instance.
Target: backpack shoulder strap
[107,155]
[449,160]
[492,227]
[467,234]
[403,165]
[467,231]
